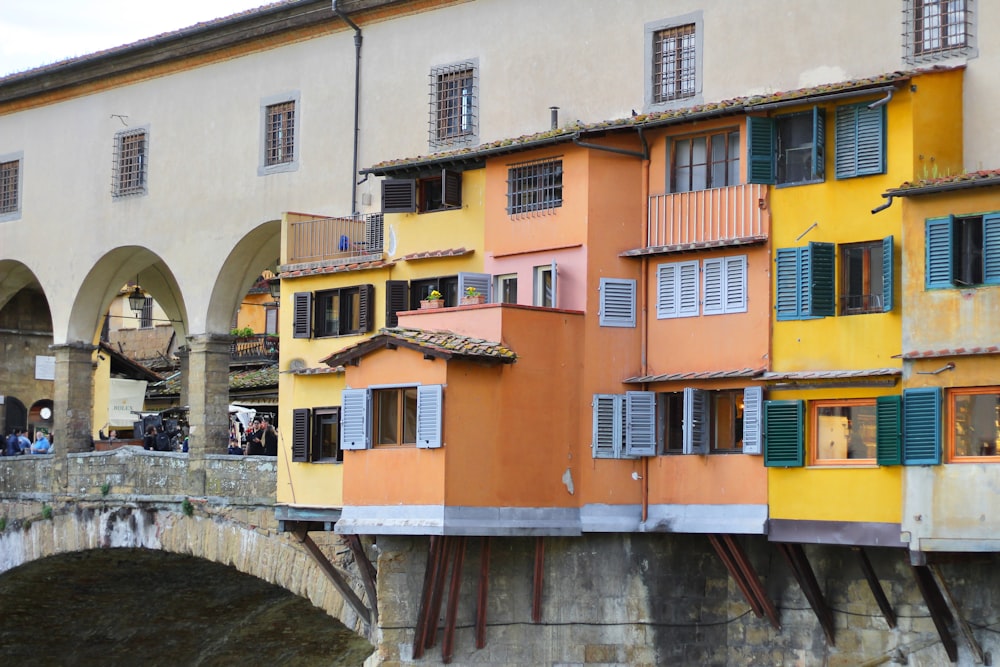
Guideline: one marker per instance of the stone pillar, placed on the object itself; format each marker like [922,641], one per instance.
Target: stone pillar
[208,401]
[185,367]
[72,405]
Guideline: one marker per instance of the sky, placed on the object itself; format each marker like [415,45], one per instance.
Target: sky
[40,32]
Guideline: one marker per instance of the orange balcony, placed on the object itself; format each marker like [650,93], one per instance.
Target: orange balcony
[705,218]
[344,239]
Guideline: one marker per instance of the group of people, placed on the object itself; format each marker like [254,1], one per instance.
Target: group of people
[18,443]
[259,439]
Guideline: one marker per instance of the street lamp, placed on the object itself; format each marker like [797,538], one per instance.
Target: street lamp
[274,287]
[136,300]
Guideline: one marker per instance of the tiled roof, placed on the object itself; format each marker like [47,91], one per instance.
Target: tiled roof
[335,268]
[951,352]
[697,375]
[440,344]
[567,133]
[265,377]
[831,375]
[975,179]
[432,254]
[323,370]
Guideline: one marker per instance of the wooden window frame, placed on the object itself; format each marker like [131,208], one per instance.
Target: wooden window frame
[10,187]
[813,426]
[675,63]
[361,299]
[707,167]
[454,104]
[399,438]
[505,285]
[279,135]
[952,425]
[867,301]
[321,416]
[947,31]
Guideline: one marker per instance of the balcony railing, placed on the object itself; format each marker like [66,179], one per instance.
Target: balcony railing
[344,239]
[260,347]
[709,217]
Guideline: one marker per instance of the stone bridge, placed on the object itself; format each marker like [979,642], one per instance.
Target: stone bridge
[132,498]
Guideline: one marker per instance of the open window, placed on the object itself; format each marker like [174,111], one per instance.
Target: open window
[404,416]
[426,194]
[316,435]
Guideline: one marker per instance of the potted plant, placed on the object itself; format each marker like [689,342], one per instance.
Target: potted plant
[472,297]
[433,300]
[242,333]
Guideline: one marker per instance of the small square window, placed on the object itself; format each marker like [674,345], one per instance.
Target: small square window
[937,29]
[545,286]
[454,104]
[844,432]
[326,435]
[395,416]
[10,187]
[506,288]
[279,134]
[534,187]
[673,62]
[963,251]
[861,279]
[705,162]
[130,163]
[975,414]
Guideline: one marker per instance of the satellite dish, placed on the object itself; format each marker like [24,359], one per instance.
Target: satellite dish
[296,364]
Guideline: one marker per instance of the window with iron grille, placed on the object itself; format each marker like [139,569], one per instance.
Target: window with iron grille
[534,186]
[674,63]
[454,104]
[280,138]
[10,186]
[146,317]
[937,29]
[130,163]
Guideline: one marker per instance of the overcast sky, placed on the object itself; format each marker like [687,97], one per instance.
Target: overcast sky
[39,32]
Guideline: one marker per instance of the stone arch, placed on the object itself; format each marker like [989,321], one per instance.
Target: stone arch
[272,557]
[259,249]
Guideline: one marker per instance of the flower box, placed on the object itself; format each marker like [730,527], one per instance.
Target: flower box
[430,304]
[473,300]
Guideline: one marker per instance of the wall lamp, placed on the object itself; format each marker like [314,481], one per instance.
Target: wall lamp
[274,287]
[136,300]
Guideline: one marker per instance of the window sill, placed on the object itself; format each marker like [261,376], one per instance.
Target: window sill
[797,183]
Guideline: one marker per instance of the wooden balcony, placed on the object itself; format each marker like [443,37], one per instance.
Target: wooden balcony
[733,215]
[341,240]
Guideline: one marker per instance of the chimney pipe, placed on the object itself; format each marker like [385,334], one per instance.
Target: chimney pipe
[554,111]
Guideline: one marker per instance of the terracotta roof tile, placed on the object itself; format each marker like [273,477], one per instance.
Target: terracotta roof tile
[334,268]
[323,370]
[831,375]
[442,344]
[265,377]
[982,178]
[432,254]
[697,375]
[951,352]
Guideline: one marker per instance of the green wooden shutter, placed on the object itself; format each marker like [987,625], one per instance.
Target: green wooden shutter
[753,398]
[939,271]
[786,300]
[819,144]
[783,434]
[366,307]
[889,430]
[607,431]
[696,428]
[301,314]
[399,195]
[991,249]
[300,435]
[640,423]
[760,150]
[397,298]
[845,141]
[922,426]
[429,407]
[822,299]
[887,274]
[355,418]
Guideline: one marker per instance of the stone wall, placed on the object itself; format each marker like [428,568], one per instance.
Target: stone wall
[668,600]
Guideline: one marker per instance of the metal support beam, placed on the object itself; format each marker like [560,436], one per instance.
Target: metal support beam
[484,584]
[434,548]
[741,570]
[963,625]
[876,587]
[338,580]
[937,607]
[437,592]
[795,556]
[367,571]
[451,611]
[538,580]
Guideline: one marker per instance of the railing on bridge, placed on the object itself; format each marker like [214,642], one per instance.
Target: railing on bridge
[715,216]
[344,239]
[259,347]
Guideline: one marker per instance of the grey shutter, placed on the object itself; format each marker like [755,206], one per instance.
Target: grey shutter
[822,294]
[366,307]
[640,423]
[607,431]
[399,195]
[666,291]
[819,144]
[555,293]
[736,284]
[991,249]
[429,408]
[753,401]
[712,300]
[939,271]
[451,188]
[887,274]
[355,418]
[617,302]
[687,289]
[481,281]
[301,314]
[696,421]
[397,298]
[760,150]
[300,435]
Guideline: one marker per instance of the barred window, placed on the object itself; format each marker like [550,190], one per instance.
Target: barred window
[130,163]
[674,63]
[9,186]
[453,103]
[937,29]
[279,139]
[534,186]
[146,317]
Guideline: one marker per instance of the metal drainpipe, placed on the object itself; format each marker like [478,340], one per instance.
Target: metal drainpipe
[357,99]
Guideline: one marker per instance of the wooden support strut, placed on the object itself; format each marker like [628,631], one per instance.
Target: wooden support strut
[437,592]
[451,611]
[741,570]
[795,556]
[368,573]
[963,624]
[876,587]
[538,580]
[334,575]
[937,607]
[434,549]
[484,584]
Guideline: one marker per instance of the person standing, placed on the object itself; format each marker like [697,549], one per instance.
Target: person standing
[270,439]
[255,446]
[41,444]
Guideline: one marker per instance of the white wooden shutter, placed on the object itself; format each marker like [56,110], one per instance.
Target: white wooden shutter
[481,281]
[355,418]
[640,423]
[607,434]
[666,291]
[753,400]
[713,286]
[555,293]
[687,289]
[429,408]
[617,297]
[736,284]
[696,424]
